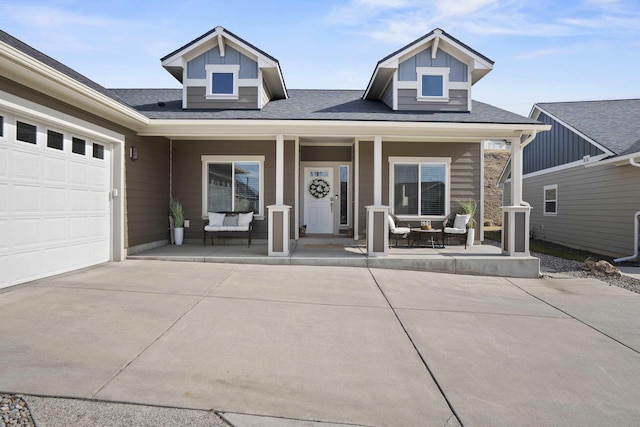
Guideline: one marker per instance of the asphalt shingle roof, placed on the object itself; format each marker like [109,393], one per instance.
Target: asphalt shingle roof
[309,104]
[615,124]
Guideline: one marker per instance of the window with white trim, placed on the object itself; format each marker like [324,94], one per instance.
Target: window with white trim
[26,132]
[551,199]
[419,188]
[232,184]
[433,83]
[222,81]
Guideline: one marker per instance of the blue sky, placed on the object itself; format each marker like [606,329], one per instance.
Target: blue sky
[544,50]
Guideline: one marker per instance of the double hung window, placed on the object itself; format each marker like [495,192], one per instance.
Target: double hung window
[420,188]
[551,199]
[232,184]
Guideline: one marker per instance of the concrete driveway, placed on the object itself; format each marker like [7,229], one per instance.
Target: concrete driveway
[287,345]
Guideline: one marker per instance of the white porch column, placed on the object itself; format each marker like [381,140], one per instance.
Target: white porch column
[377,231]
[279,213]
[515,218]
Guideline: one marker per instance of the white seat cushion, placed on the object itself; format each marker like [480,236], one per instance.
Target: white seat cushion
[227,228]
[392,223]
[400,230]
[453,230]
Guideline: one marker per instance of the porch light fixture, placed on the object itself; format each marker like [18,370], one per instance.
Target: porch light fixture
[133,153]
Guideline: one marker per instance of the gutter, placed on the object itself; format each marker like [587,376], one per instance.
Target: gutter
[630,158]
[636,217]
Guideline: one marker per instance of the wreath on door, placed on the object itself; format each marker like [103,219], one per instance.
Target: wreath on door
[319,188]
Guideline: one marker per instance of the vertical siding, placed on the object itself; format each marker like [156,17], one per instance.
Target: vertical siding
[247,99]
[407,101]
[387,96]
[457,69]
[595,208]
[248,67]
[187,176]
[556,147]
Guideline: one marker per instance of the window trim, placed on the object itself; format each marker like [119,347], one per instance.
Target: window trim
[433,71]
[446,161]
[544,200]
[36,132]
[221,68]
[49,147]
[208,159]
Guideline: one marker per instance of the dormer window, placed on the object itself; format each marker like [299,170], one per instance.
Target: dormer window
[222,81]
[433,84]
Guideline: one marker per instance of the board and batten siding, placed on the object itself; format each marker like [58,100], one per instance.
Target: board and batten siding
[248,67]
[408,101]
[556,147]
[247,99]
[595,208]
[458,70]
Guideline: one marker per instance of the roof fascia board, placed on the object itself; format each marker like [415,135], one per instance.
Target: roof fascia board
[30,72]
[453,131]
[618,161]
[576,131]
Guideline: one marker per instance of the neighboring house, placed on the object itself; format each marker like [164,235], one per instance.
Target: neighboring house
[582,178]
[87,172]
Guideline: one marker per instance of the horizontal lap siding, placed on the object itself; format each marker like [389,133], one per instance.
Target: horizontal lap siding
[595,208]
[187,176]
[247,99]
[465,166]
[365,180]
[407,101]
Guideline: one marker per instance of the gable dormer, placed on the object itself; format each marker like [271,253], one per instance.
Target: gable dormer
[219,70]
[434,73]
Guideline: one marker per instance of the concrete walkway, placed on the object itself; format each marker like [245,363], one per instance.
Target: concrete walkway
[317,346]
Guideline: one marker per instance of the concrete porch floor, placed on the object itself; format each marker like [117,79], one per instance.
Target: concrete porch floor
[478,259]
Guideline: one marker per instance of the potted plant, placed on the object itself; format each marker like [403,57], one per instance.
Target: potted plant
[177,212]
[470,207]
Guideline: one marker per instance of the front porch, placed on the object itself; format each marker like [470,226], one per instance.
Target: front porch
[480,259]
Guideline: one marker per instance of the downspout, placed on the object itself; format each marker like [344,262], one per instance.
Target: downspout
[635,240]
[633,162]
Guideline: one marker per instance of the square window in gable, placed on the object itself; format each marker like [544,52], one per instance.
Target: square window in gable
[222,81]
[433,84]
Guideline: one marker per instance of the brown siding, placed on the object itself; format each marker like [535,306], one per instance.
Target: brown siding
[365,179]
[290,182]
[146,187]
[247,99]
[187,177]
[465,166]
[595,208]
[457,101]
[314,153]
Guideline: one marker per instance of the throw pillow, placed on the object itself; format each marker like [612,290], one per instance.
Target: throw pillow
[230,220]
[216,219]
[245,219]
[461,221]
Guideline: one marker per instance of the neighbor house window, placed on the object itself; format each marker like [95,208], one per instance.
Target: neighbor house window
[55,140]
[78,146]
[232,184]
[433,84]
[551,199]
[419,187]
[26,132]
[222,81]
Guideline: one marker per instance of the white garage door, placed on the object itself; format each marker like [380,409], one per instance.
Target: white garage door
[55,212]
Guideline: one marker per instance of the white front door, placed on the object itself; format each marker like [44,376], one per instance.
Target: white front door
[318,200]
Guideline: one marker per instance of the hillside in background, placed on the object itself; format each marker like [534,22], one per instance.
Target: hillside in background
[494,161]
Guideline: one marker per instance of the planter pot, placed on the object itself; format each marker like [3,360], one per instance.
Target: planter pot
[471,236]
[178,233]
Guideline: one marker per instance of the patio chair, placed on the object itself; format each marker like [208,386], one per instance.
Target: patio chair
[397,232]
[456,225]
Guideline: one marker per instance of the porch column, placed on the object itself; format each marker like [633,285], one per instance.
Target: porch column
[515,218]
[279,213]
[377,231]
[377,224]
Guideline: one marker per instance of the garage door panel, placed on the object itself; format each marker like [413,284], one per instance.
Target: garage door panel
[27,165]
[4,231]
[55,230]
[79,174]
[25,199]
[4,162]
[80,229]
[98,176]
[26,233]
[27,265]
[57,258]
[78,202]
[55,170]
[54,200]
[4,199]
